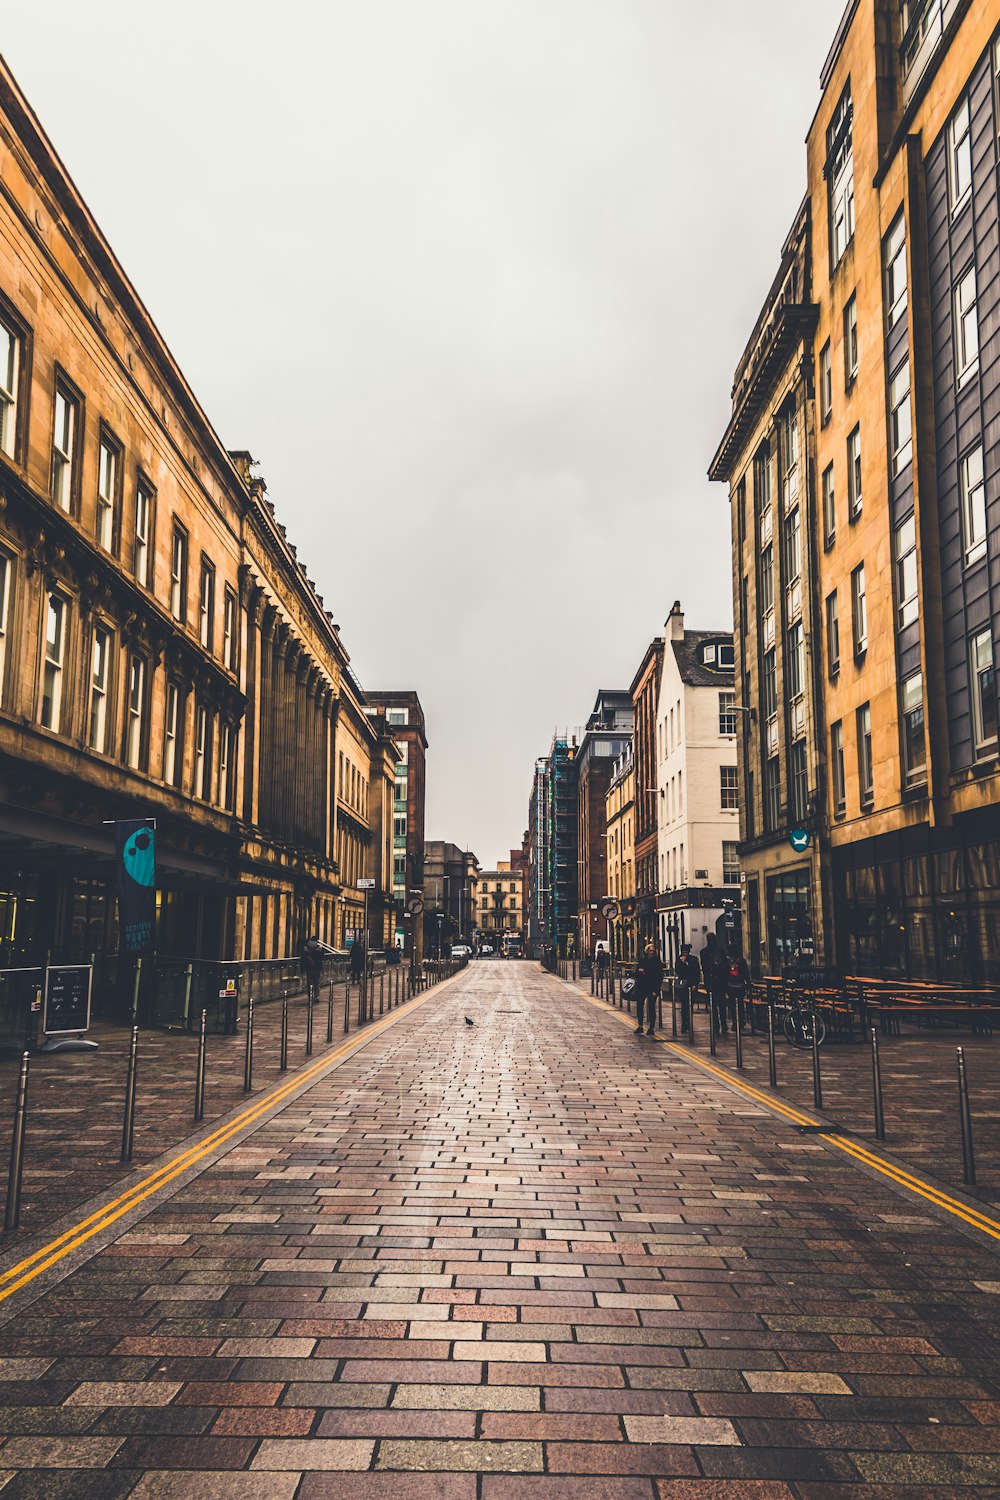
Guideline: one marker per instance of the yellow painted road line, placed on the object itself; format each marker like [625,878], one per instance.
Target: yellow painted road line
[860,1153]
[33,1265]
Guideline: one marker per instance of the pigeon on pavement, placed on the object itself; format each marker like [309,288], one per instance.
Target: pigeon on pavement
[468,1022]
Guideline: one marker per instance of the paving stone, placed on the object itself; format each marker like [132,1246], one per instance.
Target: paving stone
[479,1457]
[123,1393]
[712,1430]
[192,1485]
[313,1453]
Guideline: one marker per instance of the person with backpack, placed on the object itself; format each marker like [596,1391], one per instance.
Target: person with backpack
[737,984]
[688,974]
[713,968]
[648,983]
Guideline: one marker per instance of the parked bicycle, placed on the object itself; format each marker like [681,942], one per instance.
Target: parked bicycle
[801,1023]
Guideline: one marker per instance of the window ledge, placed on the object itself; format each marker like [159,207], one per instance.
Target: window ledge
[854,516]
[828,542]
[967,376]
[962,204]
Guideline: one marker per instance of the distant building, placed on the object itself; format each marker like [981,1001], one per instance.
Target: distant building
[404,718]
[645,694]
[450,900]
[696,783]
[499,895]
[620,820]
[537,869]
[608,733]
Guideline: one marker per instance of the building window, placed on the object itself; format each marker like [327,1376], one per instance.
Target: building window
[829,507]
[772,794]
[749,812]
[769,686]
[201,755]
[795,666]
[108,470]
[859,610]
[866,764]
[52,670]
[825,384]
[727,713]
[143,526]
[789,455]
[64,449]
[966,327]
[171,734]
[837,768]
[135,711]
[11,360]
[741,512]
[766,587]
[840,174]
[178,575]
[744,606]
[973,506]
[229,634]
[832,635]
[6,572]
[894,257]
[900,429]
[854,474]
[730,863]
[959,156]
[984,694]
[905,546]
[762,480]
[97,720]
[399,826]
[727,655]
[792,546]
[798,778]
[397,716]
[226,743]
[206,604]
[914,751]
[729,788]
[851,341]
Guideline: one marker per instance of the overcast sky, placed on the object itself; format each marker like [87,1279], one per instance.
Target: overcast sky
[469,278]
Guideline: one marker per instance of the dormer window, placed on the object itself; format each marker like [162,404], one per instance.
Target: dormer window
[717,654]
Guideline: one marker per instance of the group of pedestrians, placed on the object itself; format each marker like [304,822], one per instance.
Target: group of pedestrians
[723,972]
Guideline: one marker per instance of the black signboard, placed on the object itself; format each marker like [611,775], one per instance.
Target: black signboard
[811,976]
[67,999]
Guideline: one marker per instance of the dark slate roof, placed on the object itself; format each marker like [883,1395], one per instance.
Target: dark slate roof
[689,663]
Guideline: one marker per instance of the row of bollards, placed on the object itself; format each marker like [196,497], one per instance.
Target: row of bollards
[394,989]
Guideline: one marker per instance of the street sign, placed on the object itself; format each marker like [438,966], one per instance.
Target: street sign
[367,884]
[609,909]
[799,838]
[414,906]
[66,1007]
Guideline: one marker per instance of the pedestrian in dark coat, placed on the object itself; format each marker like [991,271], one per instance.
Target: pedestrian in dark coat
[713,968]
[737,984]
[688,974]
[311,959]
[357,960]
[648,983]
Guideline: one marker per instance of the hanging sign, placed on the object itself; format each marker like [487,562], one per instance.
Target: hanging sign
[135,863]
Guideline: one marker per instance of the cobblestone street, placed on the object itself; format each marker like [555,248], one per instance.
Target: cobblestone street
[533,1246]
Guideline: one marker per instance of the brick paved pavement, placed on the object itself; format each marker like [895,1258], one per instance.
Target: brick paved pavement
[76,1099]
[919,1087]
[536,1247]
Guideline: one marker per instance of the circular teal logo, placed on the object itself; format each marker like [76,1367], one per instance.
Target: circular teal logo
[799,838]
[139,856]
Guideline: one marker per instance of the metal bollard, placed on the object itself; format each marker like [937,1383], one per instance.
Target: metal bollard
[329,1013]
[593,977]
[738,1033]
[347,1006]
[199,1077]
[659,1010]
[381,994]
[248,1049]
[817,1080]
[877,1089]
[283,1064]
[673,1010]
[691,1024]
[309,1022]
[772,1061]
[128,1119]
[965,1121]
[712,1038]
[12,1212]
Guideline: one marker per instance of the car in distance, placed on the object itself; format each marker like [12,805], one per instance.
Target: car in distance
[461,950]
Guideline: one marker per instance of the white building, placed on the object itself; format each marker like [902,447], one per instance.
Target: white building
[698,823]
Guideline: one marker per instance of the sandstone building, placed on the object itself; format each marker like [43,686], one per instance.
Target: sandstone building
[162,650]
